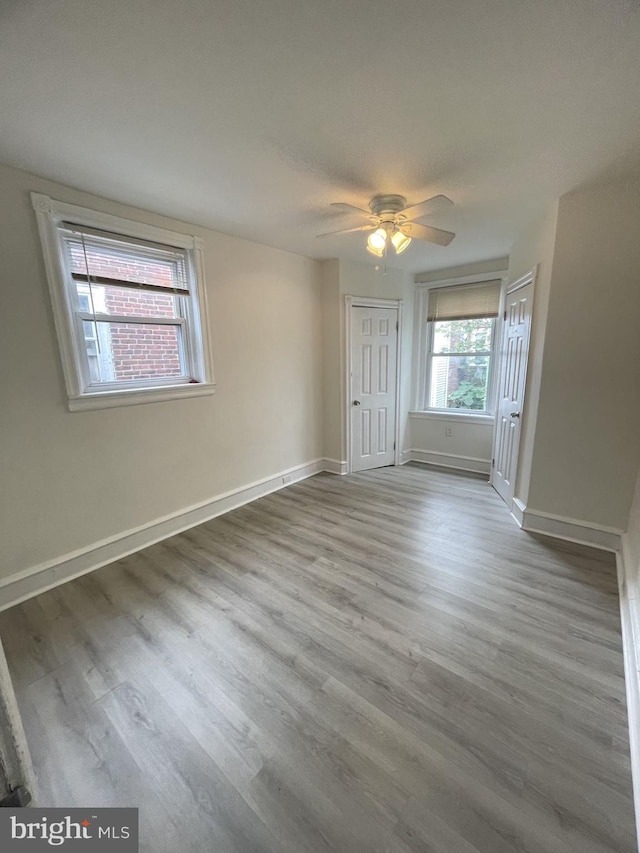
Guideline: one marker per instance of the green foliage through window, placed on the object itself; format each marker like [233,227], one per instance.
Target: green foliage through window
[460,364]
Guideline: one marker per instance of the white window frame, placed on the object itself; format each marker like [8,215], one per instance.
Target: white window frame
[423,346]
[50,215]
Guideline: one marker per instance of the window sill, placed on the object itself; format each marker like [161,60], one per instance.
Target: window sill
[488,420]
[136,396]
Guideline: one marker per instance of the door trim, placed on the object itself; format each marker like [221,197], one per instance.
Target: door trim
[523,281]
[518,284]
[14,749]
[369,302]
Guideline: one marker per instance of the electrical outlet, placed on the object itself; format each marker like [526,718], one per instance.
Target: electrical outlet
[448,431]
[286,479]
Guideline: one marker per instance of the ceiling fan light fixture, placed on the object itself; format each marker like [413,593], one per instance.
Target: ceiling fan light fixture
[391,221]
[376,242]
[400,242]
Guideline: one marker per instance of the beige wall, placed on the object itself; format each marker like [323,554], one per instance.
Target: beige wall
[347,278]
[534,248]
[362,279]
[332,361]
[631,545]
[470,440]
[586,449]
[70,480]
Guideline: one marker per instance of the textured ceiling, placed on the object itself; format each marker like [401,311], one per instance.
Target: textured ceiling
[251,116]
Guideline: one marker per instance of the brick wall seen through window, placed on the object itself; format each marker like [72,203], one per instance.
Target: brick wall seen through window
[137,351]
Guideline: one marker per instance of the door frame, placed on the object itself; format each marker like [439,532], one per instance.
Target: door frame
[518,284]
[351,302]
[14,749]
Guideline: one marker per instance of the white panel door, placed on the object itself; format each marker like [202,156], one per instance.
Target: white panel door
[374,344]
[513,375]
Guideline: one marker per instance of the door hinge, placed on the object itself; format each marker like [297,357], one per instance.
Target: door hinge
[397,325]
[505,316]
[493,462]
[394,445]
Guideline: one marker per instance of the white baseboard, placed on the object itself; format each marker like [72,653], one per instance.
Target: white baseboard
[448,460]
[630,620]
[517,511]
[570,529]
[36,579]
[335,466]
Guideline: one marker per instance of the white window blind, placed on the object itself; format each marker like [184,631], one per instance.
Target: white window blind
[142,264]
[464,302]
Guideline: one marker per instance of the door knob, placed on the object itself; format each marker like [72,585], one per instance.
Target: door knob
[356,402]
[515,414]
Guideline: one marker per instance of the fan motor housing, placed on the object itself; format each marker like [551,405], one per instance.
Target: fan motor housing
[387,204]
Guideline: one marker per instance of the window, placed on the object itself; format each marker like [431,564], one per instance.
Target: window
[128,303]
[460,347]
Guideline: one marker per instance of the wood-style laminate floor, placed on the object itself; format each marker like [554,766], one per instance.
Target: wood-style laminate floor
[379,662]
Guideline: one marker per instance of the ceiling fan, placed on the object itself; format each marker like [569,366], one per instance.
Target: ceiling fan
[391,222]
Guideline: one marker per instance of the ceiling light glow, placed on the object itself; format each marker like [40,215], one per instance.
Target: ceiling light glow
[400,242]
[377,242]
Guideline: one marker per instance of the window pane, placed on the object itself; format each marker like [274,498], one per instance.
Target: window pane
[124,300]
[463,335]
[129,351]
[127,264]
[459,382]
[89,331]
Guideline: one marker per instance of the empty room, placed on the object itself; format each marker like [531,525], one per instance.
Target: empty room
[320,444]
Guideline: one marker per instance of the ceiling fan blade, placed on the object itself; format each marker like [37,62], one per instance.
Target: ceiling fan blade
[426,232]
[349,230]
[349,208]
[436,202]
